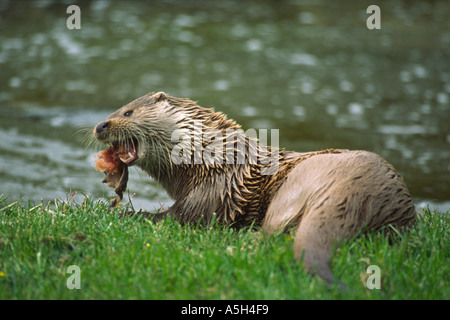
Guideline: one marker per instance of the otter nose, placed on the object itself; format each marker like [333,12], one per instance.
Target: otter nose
[102,126]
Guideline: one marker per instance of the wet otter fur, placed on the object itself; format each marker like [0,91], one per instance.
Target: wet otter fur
[326,196]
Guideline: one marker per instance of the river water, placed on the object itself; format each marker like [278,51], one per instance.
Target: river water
[311,69]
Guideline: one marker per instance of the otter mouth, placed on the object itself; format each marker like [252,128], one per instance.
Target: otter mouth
[126,152]
[114,162]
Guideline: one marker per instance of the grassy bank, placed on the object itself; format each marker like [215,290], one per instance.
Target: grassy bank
[128,258]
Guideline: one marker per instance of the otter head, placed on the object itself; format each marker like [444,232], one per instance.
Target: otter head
[140,129]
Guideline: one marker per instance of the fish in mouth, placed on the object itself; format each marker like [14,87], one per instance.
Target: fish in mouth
[114,162]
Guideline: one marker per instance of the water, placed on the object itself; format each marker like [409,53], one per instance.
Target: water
[308,68]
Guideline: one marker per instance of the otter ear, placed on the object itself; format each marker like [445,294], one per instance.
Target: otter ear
[159,96]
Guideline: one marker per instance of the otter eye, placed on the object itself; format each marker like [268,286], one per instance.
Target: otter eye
[128,113]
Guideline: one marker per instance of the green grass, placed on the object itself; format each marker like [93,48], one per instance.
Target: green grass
[129,258]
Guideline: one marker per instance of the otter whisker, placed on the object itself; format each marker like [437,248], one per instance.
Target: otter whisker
[89,141]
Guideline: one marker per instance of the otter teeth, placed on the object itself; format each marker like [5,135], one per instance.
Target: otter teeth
[126,160]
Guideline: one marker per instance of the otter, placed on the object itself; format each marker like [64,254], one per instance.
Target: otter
[325,196]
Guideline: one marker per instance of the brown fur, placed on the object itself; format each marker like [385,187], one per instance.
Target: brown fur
[327,195]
